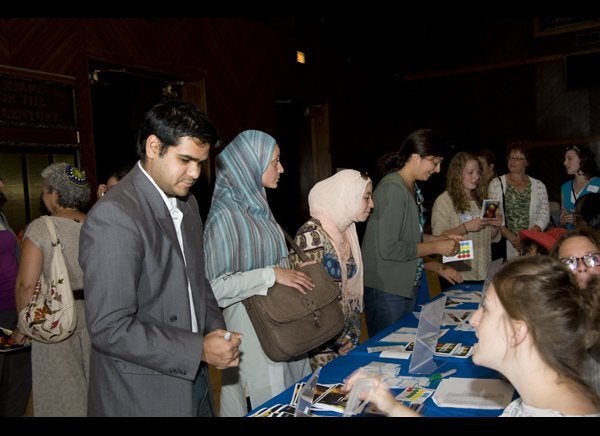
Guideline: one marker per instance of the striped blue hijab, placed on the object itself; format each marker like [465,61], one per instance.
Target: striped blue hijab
[241,233]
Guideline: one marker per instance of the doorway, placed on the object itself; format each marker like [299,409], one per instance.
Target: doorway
[120,99]
[302,131]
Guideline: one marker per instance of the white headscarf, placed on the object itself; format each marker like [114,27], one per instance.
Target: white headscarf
[337,202]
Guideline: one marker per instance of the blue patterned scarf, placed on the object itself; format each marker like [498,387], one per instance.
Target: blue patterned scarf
[241,233]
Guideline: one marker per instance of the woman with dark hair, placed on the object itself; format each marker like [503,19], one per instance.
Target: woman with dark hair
[394,243]
[487,161]
[60,370]
[112,180]
[524,199]
[580,163]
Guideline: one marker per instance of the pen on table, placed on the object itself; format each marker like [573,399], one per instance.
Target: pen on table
[441,375]
[227,336]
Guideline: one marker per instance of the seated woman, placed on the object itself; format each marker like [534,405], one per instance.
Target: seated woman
[538,328]
[580,251]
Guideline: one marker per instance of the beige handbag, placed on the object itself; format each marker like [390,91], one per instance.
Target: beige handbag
[50,314]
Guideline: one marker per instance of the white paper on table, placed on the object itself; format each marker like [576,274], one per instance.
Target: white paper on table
[406,335]
[399,347]
[464,328]
[391,354]
[403,381]
[473,393]
[386,368]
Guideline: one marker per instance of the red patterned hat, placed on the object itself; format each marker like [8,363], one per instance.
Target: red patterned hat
[546,239]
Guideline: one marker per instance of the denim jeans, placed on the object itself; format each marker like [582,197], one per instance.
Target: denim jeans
[382,309]
[202,395]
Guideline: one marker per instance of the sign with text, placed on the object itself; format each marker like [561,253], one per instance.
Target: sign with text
[36,110]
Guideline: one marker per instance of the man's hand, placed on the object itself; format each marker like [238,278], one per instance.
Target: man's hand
[221,348]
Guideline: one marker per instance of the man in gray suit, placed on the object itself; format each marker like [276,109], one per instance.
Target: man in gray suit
[151,313]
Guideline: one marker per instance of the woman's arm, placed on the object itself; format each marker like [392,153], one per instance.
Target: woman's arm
[233,288]
[444,220]
[444,245]
[444,271]
[542,208]
[30,269]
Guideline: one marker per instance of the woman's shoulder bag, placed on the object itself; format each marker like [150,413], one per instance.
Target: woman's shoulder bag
[290,324]
[50,314]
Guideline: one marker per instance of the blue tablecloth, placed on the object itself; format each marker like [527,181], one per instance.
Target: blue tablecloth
[340,368]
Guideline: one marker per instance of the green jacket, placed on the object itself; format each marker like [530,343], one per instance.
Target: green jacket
[389,246]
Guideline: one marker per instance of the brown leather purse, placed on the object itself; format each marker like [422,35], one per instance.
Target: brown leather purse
[290,324]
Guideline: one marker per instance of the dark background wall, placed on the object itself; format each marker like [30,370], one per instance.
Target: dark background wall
[481,82]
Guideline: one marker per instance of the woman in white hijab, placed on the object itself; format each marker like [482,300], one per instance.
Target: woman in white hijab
[329,236]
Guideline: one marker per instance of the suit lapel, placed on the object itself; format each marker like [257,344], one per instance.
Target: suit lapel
[159,209]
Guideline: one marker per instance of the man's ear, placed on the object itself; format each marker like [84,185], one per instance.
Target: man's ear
[520,332]
[153,146]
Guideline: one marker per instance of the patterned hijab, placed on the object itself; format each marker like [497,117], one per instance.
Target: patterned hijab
[241,232]
[336,202]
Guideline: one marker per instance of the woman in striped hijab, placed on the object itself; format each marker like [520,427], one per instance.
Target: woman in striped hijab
[245,255]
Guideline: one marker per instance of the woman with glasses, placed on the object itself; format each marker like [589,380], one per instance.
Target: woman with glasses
[524,200]
[580,163]
[336,204]
[580,251]
[394,243]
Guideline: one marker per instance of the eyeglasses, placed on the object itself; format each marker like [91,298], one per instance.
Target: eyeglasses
[591,259]
[516,159]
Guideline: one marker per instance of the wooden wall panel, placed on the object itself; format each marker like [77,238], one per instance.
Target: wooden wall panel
[510,88]
[241,62]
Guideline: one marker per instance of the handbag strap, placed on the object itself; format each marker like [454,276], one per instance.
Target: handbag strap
[50,225]
[502,190]
[297,249]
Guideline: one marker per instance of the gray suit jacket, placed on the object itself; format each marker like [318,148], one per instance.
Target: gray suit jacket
[145,357]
